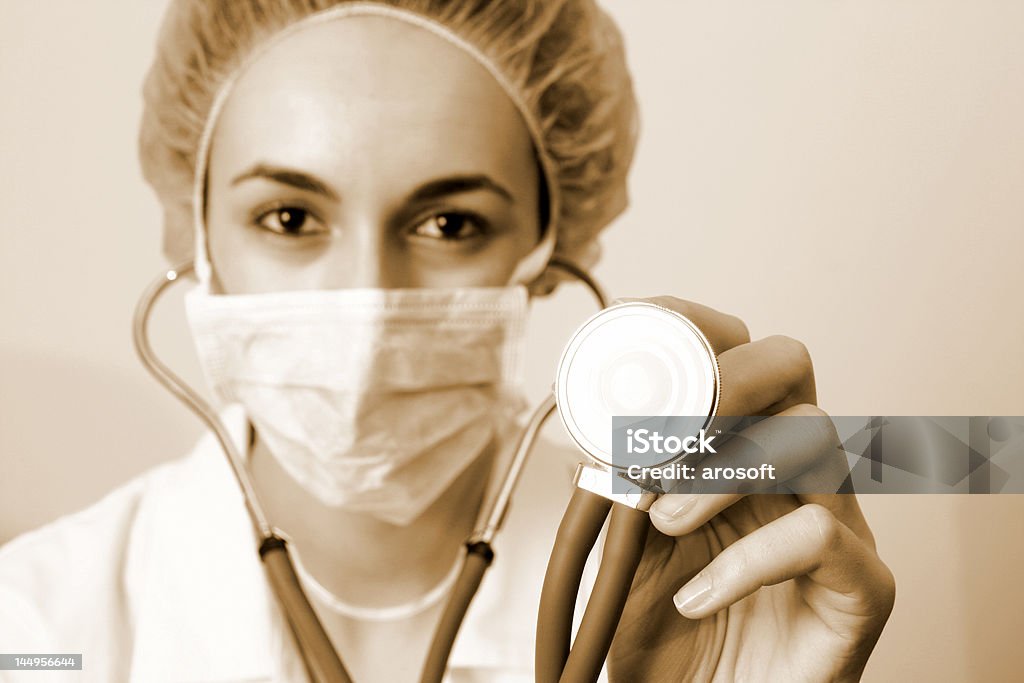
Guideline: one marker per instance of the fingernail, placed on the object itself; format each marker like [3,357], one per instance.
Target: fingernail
[682,507]
[694,595]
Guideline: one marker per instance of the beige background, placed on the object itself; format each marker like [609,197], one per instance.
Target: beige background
[847,173]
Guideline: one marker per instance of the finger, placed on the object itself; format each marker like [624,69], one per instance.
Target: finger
[723,331]
[810,542]
[765,377]
[800,445]
[846,508]
[816,486]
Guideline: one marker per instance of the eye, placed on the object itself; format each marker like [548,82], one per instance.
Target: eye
[449,226]
[292,221]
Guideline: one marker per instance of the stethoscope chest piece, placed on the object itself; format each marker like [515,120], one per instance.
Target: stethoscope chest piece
[640,360]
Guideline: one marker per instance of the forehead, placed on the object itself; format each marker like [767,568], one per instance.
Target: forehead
[370,93]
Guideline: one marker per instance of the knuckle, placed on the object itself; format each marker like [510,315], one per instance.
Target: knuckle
[820,430]
[736,564]
[887,588]
[742,331]
[881,593]
[868,536]
[808,410]
[795,358]
[796,351]
[822,525]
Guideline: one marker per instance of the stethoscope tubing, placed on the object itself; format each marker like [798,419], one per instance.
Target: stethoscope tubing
[479,553]
[321,659]
[558,658]
[577,534]
[323,664]
[623,549]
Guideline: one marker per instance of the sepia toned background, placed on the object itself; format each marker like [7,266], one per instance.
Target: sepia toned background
[847,173]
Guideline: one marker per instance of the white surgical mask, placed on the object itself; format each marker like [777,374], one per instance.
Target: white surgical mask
[374,400]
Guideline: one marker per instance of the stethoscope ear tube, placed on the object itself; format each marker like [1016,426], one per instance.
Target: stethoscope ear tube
[583,276]
[479,553]
[321,659]
[478,558]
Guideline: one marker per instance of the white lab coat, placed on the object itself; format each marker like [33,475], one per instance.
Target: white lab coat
[160,581]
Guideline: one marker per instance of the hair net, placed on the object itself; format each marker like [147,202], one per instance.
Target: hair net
[562,60]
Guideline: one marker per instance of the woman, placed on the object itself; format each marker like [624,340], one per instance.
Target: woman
[373,190]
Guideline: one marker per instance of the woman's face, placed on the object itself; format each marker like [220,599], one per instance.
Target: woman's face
[366,152]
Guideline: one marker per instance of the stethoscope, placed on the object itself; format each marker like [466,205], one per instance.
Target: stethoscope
[621,345]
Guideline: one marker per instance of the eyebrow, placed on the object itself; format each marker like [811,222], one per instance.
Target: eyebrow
[427,191]
[287,176]
[458,184]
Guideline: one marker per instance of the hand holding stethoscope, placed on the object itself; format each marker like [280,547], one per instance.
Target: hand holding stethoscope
[777,587]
